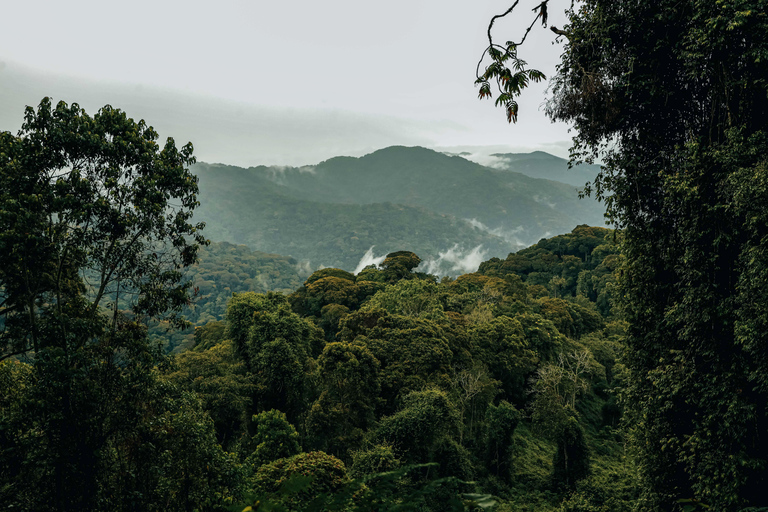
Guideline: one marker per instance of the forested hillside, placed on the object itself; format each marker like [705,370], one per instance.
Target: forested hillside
[545,166]
[500,378]
[332,213]
[388,389]
[592,371]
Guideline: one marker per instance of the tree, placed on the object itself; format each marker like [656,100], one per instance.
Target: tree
[412,352]
[399,265]
[273,438]
[501,345]
[501,422]
[414,430]
[222,384]
[94,215]
[670,96]
[350,386]
[90,205]
[571,461]
[327,476]
[276,345]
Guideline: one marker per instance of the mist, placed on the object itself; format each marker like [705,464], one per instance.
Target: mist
[369,259]
[454,261]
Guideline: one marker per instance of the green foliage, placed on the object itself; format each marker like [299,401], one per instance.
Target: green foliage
[350,386]
[501,422]
[379,458]
[582,262]
[415,429]
[686,84]
[332,287]
[326,473]
[276,346]
[420,298]
[500,344]
[571,462]
[412,352]
[209,335]
[399,265]
[220,380]
[541,335]
[224,269]
[177,463]
[273,438]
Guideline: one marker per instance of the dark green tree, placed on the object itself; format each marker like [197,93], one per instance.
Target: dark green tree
[571,461]
[90,204]
[95,217]
[671,97]
[221,382]
[501,422]
[415,430]
[273,438]
[349,392]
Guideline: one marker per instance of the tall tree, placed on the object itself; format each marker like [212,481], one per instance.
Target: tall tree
[671,97]
[95,217]
[91,208]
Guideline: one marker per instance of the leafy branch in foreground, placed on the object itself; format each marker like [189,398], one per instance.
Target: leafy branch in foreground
[507,70]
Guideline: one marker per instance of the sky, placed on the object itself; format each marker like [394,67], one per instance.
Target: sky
[280,82]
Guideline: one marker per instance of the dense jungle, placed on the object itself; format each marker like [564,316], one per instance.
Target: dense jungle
[594,370]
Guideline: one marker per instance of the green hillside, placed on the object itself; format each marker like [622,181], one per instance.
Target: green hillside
[241,206]
[395,198]
[545,166]
[504,201]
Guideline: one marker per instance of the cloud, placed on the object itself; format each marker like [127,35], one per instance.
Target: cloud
[544,200]
[508,235]
[454,261]
[303,268]
[369,259]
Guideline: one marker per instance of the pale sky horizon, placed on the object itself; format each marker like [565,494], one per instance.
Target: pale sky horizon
[279,83]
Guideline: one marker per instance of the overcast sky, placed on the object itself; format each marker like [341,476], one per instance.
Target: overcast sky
[278,82]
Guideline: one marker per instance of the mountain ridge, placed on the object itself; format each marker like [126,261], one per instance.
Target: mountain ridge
[395,198]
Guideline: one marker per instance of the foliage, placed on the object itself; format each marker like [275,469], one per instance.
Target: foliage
[418,298]
[501,422]
[571,462]
[378,458]
[220,380]
[327,475]
[671,97]
[90,204]
[687,241]
[412,351]
[501,345]
[509,82]
[414,430]
[96,217]
[331,289]
[273,438]
[224,269]
[349,390]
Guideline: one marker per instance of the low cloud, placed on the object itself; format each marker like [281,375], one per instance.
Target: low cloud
[454,261]
[369,259]
[303,268]
[509,235]
[544,200]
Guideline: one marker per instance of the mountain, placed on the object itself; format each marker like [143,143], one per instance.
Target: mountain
[438,206]
[242,207]
[545,166]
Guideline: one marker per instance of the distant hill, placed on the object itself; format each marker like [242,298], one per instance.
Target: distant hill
[396,198]
[545,166]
